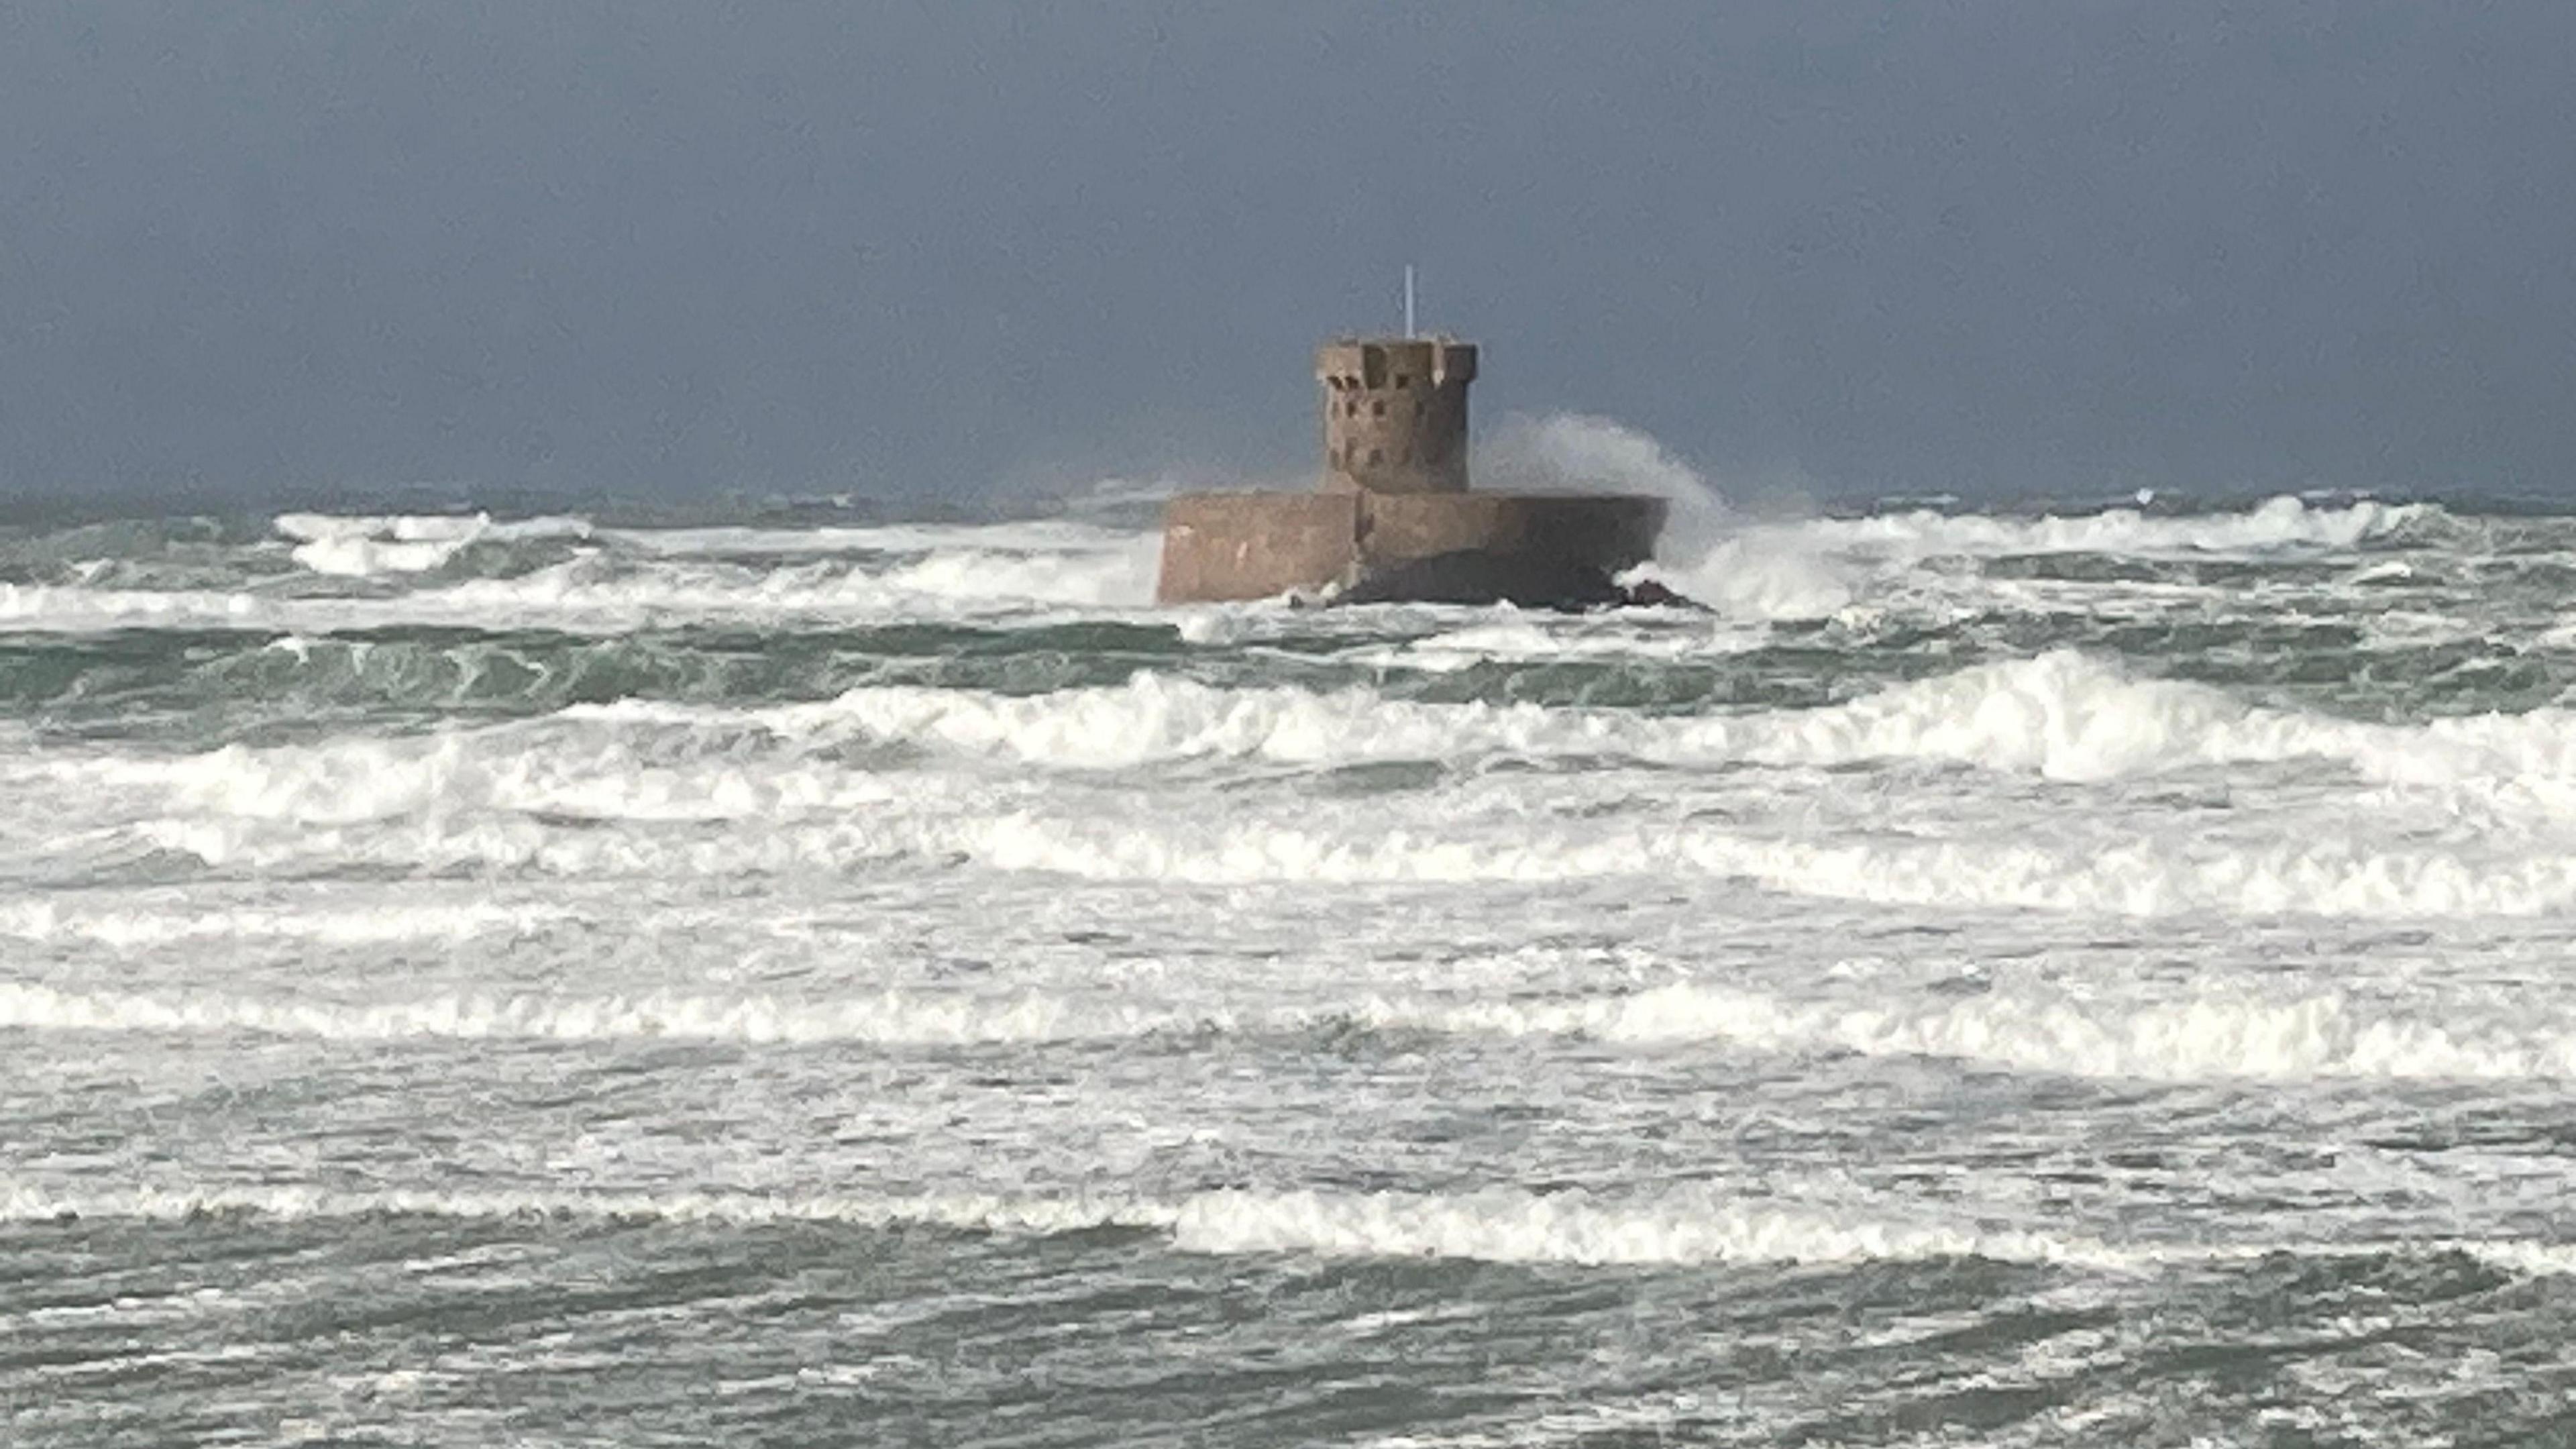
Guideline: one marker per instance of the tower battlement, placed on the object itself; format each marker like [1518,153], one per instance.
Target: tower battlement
[1395,413]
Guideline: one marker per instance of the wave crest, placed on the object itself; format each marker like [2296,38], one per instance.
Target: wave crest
[364,546]
[2276,523]
[1505,1225]
[2208,1036]
[2063,715]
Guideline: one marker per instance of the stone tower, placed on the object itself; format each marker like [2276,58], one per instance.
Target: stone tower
[1395,414]
[1394,519]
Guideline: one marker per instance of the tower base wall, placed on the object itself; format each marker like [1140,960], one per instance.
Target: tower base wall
[1219,547]
[1536,549]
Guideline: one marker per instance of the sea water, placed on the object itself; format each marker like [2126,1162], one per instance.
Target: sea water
[2011,976]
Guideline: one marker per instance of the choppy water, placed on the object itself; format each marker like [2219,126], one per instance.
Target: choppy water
[2095,977]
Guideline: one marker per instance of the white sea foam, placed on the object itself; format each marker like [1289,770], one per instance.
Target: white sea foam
[968,1212]
[2117,874]
[947,582]
[484,794]
[1759,574]
[67,607]
[1113,577]
[2117,877]
[2201,1037]
[519,768]
[2061,715]
[1519,640]
[497,799]
[889,1018]
[973,576]
[1044,561]
[2275,524]
[1683,1226]
[1507,1225]
[1038,536]
[179,920]
[365,545]
[1817,567]
[420,527]
[2132,879]
[1749,571]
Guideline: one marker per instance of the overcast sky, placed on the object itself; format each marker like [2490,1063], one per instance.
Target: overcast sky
[678,248]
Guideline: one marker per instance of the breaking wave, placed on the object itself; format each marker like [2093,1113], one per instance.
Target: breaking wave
[621,593]
[517,769]
[587,579]
[567,572]
[359,545]
[1761,574]
[1815,568]
[1033,537]
[2203,1037]
[2277,523]
[2061,715]
[2199,1038]
[363,546]
[1502,1225]
[889,1018]
[2124,878]
[54,920]
[506,796]
[470,888]
[2113,878]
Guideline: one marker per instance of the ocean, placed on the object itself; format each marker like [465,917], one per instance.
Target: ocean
[2056,974]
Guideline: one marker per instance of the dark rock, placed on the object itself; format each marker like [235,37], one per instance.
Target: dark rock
[1480,576]
[1648,594]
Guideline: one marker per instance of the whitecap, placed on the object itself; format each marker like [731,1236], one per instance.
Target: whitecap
[1506,1225]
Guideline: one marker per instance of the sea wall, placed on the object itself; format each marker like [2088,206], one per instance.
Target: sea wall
[1225,546]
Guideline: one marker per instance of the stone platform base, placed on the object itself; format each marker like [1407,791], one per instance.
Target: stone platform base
[1537,550]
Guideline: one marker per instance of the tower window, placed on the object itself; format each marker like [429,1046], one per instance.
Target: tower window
[1377,455]
[1378,408]
[1403,381]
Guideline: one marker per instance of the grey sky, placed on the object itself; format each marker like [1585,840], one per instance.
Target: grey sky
[675,248]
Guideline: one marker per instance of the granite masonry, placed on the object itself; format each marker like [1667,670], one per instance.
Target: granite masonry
[1393,519]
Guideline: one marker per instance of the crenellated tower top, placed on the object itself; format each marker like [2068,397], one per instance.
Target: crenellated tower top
[1395,413]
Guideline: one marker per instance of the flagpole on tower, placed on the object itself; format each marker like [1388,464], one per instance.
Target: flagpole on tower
[1408,300]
